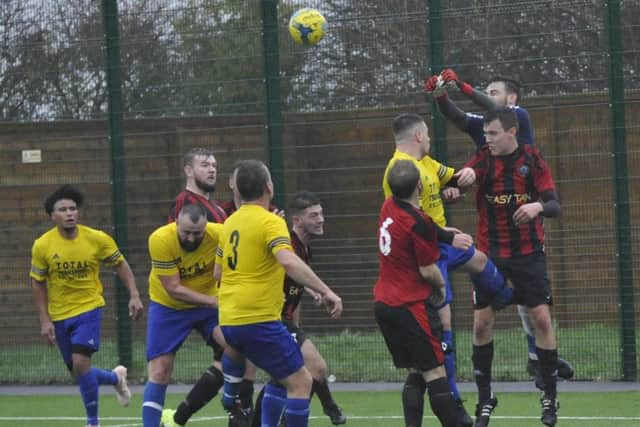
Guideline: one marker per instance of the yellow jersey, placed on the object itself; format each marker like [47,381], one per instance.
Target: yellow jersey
[251,287]
[195,268]
[71,269]
[433,175]
[437,177]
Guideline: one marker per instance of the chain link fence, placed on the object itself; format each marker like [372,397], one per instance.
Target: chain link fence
[196,73]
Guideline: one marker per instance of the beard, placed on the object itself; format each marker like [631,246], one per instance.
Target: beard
[190,246]
[205,186]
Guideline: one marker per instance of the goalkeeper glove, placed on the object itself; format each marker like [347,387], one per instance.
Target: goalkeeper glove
[450,78]
[435,86]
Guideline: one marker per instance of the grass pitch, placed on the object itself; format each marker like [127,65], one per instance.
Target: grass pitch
[364,409]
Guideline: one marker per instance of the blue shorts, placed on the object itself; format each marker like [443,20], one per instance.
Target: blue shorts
[82,330]
[451,259]
[269,345]
[167,328]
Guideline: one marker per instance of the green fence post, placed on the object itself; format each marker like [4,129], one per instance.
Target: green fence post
[273,109]
[621,189]
[118,176]
[436,60]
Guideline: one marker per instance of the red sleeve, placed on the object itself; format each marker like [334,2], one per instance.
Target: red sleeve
[425,242]
[479,163]
[542,178]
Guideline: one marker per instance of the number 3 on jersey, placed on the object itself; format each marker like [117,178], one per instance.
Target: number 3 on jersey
[384,241]
[234,239]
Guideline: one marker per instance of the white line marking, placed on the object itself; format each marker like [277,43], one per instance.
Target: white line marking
[351,417]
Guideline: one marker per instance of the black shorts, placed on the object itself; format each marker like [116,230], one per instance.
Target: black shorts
[412,333]
[296,332]
[529,278]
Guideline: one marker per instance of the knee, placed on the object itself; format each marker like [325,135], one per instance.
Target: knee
[318,369]
[159,373]
[543,327]
[481,332]
[434,374]
[541,320]
[80,366]
[299,384]
[250,372]
[477,263]
[482,327]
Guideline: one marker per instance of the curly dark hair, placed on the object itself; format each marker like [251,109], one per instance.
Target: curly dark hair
[65,192]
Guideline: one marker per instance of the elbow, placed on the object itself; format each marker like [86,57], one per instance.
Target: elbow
[174,292]
[431,274]
[551,209]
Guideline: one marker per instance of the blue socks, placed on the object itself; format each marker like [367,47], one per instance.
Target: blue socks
[105,377]
[89,392]
[152,404]
[233,372]
[450,362]
[89,384]
[273,404]
[296,412]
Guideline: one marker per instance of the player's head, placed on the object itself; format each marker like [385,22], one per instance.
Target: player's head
[306,213]
[191,224]
[232,176]
[500,130]
[410,131]
[504,91]
[404,179]
[62,206]
[201,169]
[253,180]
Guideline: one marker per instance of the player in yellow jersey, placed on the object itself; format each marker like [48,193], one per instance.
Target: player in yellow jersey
[456,248]
[183,296]
[65,267]
[254,254]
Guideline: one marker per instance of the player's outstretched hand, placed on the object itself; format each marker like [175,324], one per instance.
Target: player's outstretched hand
[451,80]
[466,177]
[434,86]
[451,194]
[333,303]
[462,241]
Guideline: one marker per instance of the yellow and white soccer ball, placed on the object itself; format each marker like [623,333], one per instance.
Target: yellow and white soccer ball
[307,26]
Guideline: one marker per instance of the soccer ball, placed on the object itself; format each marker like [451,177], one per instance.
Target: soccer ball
[307,26]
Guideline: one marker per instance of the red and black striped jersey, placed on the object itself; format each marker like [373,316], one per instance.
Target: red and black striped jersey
[214,212]
[407,240]
[292,290]
[504,184]
[228,206]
